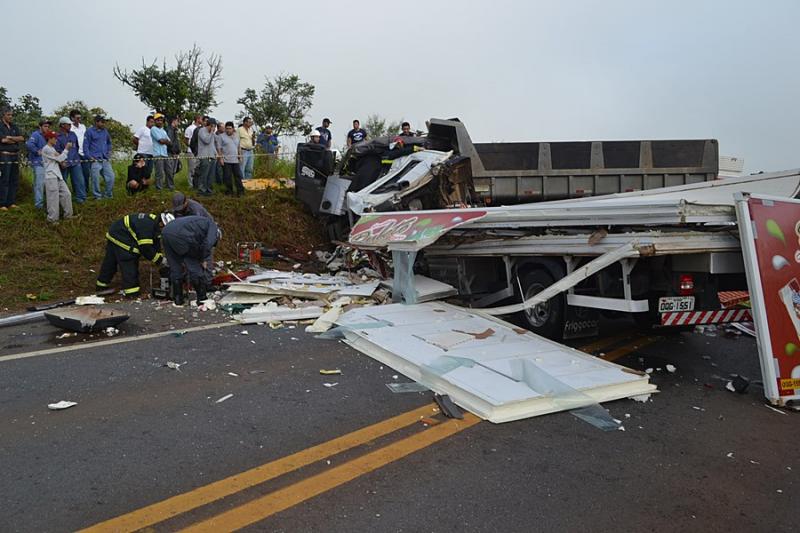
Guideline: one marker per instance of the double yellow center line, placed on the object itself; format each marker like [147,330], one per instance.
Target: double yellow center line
[177,505]
[265,506]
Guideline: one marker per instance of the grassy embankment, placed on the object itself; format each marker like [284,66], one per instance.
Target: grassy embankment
[40,262]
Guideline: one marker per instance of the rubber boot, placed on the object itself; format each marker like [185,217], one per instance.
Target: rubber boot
[201,291]
[177,293]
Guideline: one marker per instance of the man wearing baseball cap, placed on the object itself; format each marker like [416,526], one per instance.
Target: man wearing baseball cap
[57,191]
[160,140]
[71,168]
[34,145]
[183,206]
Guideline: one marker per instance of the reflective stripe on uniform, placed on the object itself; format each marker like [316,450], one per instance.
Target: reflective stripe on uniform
[122,244]
[157,257]
[101,284]
[127,221]
[131,290]
[145,241]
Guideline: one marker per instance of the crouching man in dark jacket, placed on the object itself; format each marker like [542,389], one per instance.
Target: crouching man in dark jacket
[188,243]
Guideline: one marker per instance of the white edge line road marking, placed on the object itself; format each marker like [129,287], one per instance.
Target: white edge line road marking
[108,342]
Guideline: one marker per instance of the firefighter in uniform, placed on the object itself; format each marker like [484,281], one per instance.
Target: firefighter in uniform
[128,238]
[188,244]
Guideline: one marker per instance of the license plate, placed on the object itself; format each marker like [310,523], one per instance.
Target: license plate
[675,303]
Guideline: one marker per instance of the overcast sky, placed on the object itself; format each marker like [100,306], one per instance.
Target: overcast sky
[512,71]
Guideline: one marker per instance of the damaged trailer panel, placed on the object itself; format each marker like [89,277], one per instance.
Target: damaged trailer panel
[487,366]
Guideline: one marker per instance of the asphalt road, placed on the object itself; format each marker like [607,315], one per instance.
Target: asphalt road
[694,457]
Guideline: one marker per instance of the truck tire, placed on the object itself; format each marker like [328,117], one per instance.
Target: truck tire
[545,319]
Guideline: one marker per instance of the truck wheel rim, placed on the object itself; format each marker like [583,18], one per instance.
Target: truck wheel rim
[539,314]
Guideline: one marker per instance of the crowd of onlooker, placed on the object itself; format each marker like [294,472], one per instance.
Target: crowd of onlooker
[216,153]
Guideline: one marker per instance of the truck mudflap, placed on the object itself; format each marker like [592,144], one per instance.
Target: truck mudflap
[718,316]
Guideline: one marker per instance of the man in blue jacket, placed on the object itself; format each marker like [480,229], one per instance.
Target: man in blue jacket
[97,148]
[71,168]
[34,145]
[188,244]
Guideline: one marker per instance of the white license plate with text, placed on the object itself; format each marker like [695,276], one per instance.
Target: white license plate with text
[669,304]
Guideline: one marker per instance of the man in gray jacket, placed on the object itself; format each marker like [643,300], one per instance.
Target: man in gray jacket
[207,153]
[188,243]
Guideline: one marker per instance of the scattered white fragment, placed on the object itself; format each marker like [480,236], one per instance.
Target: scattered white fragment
[754,462]
[395,376]
[779,491]
[253,342]
[648,371]
[329,385]
[90,300]
[66,335]
[627,415]
[207,305]
[621,428]
[671,369]
[295,266]
[643,398]
[226,397]
[63,404]
[729,455]
[776,410]
[234,374]
[111,331]
[697,408]
[173,365]
[294,338]
[244,332]
[730,386]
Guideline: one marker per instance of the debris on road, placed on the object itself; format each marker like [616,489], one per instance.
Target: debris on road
[671,369]
[329,385]
[447,407]
[86,319]
[59,406]
[738,384]
[90,300]
[406,387]
[334,372]
[226,397]
[173,365]
[67,335]
[776,410]
[234,374]
[502,376]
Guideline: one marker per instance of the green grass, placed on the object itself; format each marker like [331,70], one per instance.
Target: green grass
[59,262]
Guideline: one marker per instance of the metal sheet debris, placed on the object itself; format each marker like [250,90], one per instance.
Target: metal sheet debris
[502,377]
[272,312]
[85,319]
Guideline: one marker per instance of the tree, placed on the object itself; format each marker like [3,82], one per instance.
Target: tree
[378,126]
[120,133]
[5,101]
[189,87]
[27,110]
[284,102]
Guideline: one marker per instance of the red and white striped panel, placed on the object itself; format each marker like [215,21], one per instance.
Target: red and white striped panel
[690,318]
[731,298]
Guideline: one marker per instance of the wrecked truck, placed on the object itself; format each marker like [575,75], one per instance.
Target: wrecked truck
[671,257]
[445,169]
